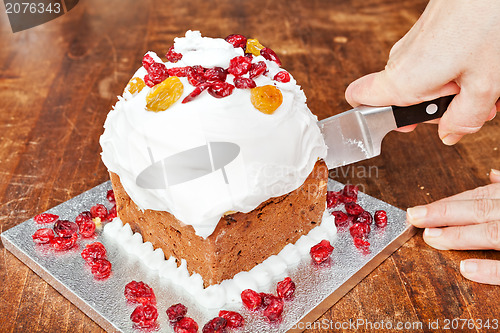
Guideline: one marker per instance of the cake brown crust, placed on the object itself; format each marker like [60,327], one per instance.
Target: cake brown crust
[241,240]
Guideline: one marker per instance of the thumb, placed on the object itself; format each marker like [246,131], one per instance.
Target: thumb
[495,176]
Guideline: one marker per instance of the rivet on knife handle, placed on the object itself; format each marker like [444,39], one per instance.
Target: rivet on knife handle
[414,114]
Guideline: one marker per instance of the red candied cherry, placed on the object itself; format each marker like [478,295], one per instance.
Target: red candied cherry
[93,251]
[237,40]
[321,251]
[361,243]
[197,90]
[178,71]
[144,316]
[251,299]
[341,218]
[157,73]
[110,195]
[257,69]
[215,74]
[139,292]
[220,89]
[234,319]
[380,218]
[173,56]
[99,211]
[349,193]
[83,217]
[360,230]
[46,218]
[43,236]
[244,83]
[176,312]
[100,268]
[64,243]
[186,325]
[239,65]
[353,209]
[364,217]
[87,228]
[273,309]
[332,199]
[286,288]
[65,228]
[282,76]
[216,325]
[270,55]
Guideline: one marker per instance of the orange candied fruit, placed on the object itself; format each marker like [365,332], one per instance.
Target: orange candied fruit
[254,47]
[266,99]
[164,94]
[135,85]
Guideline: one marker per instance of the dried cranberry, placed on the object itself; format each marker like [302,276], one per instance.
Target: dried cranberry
[197,90]
[234,319]
[361,243]
[239,65]
[237,41]
[353,209]
[65,228]
[64,243]
[216,325]
[341,218]
[99,211]
[257,69]
[349,194]
[83,217]
[215,74]
[360,230]
[110,195]
[173,56]
[178,71]
[43,236]
[144,316]
[46,218]
[251,299]
[87,228]
[139,292]
[380,218]
[249,55]
[286,288]
[274,309]
[321,251]
[282,76]
[100,268]
[364,217]
[112,213]
[93,251]
[270,55]
[176,312]
[332,199]
[147,61]
[157,73]
[244,83]
[186,325]
[220,89]
[266,299]
[195,75]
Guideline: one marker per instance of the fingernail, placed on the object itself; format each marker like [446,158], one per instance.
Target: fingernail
[495,172]
[451,139]
[433,232]
[468,266]
[417,213]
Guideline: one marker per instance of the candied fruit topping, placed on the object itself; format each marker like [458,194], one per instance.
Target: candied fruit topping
[176,312]
[237,40]
[144,316]
[257,69]
[361,243]
[341,218]
[99,211]
[332,199]
[64,243]
[251,299]
[135,85]
[234,319]
[162,96]
[286,288]
[46,218]
[173,56]
[87,228]
[110,195]
[139,292]
[353,209]
[349,194]
[220,89]
[321,251]
[112,213]
[360,230]
[196,75]
[244,83]
[43,236]
[270,55]
[100,268]
[239,65]
[65,228]
[282,76]
[197,90]
[178,71]
[186,325]
[93,251]
[157,73]
[83,217]
[216,325]
[380,218]
[364,217]
[274,309]
[254,47]
[215,74]
[266,99]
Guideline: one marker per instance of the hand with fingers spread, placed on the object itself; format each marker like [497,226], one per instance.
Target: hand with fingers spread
[466,221]
[453,48]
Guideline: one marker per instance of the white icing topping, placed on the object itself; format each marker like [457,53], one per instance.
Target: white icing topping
[217,296]
[277,152]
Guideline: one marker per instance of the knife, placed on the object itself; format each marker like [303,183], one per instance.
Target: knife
[357,134]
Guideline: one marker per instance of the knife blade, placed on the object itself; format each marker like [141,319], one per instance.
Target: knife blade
[357,134]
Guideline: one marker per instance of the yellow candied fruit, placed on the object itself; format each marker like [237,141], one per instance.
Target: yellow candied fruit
[254,47]
[266,99]
[135,85]
[164,94]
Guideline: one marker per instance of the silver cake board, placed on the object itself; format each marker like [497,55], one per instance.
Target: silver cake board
[318,287]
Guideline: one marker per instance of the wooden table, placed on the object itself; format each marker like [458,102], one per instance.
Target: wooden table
[59,80]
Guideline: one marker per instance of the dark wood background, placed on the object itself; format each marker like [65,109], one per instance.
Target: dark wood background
[59,80]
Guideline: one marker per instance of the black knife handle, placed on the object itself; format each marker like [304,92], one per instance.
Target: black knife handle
[414,114]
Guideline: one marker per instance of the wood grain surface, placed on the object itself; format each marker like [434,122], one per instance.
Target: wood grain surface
[59,80]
